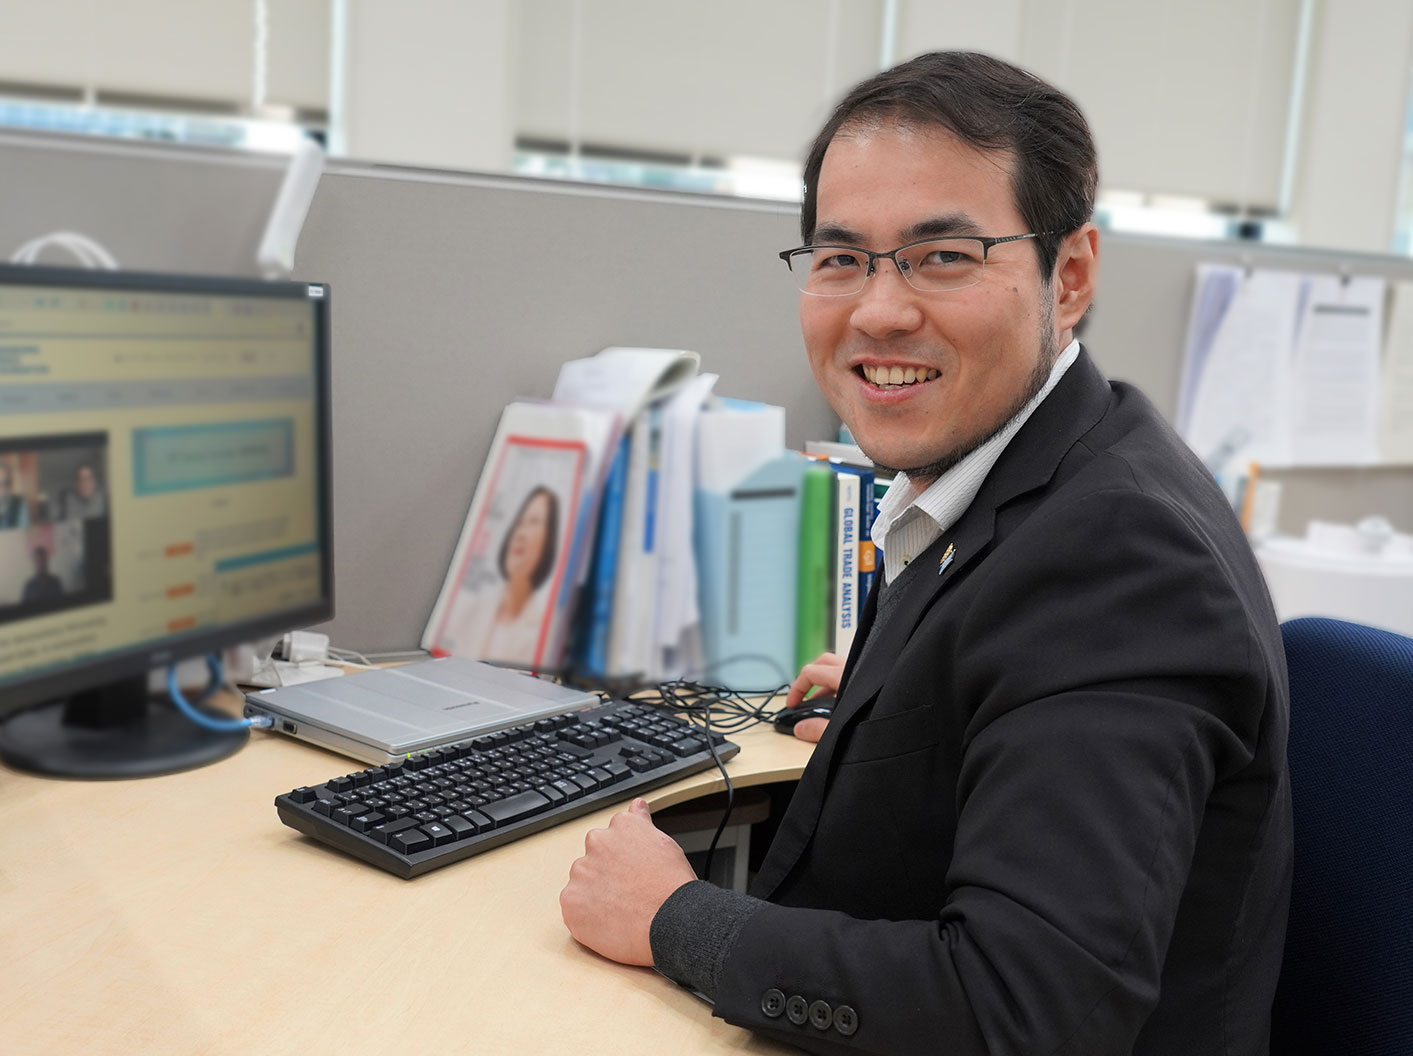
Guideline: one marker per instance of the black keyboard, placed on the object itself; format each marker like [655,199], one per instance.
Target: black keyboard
[446,804]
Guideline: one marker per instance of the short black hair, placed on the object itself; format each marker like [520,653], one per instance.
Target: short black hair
[545,565]
[989,104]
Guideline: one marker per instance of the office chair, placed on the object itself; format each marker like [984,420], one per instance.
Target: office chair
[1346,985]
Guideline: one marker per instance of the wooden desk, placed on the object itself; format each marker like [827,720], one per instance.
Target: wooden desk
[178,915]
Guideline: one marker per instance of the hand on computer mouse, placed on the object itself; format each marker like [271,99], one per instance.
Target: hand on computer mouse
[823,674]
[816,707]
[807,719]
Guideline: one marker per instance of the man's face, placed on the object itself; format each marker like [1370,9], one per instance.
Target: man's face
[85,484]
[979,349]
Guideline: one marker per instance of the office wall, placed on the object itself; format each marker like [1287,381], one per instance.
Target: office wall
[455,293]
[1187,96]
[197,50]
[430,90]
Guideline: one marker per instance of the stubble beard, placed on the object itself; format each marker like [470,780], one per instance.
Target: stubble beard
[1049,353]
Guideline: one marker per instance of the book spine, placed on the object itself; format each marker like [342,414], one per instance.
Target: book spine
[600,615]
[846,555]
[626,587]
[812,589]
[868,557]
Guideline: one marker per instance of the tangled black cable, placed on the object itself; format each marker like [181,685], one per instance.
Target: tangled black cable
[716,710]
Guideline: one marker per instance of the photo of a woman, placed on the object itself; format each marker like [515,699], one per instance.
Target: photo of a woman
[526,560]
[506,597]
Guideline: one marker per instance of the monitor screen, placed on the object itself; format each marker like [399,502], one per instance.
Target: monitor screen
[163,471]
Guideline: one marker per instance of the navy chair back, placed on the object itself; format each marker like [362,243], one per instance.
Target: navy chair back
[1346,986]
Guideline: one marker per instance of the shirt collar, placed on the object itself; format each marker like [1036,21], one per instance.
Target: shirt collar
[950,494]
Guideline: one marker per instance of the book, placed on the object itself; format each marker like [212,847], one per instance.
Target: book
[845,588]
[868,511]
[592,652]
[816,567]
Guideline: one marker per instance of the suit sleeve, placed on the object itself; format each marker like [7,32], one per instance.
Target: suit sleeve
[1111,678]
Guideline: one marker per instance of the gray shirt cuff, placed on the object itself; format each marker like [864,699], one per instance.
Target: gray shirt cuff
[694,932]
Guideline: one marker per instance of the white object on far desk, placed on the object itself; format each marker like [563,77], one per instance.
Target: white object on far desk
[1360,573]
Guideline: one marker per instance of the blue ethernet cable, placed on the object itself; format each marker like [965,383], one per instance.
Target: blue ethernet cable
[213,663]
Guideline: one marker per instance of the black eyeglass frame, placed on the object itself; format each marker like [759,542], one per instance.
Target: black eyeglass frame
[892,254]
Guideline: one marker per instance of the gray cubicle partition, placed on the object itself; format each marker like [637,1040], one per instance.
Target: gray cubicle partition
[455,293]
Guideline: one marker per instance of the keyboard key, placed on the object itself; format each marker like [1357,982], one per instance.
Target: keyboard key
[346,814]
[517,807]
[439,833]
[304,795]
[476,818]
[459,826]
[326,805]
[568,787]
[382,833]
[410,841]
[339,784]
[364,822]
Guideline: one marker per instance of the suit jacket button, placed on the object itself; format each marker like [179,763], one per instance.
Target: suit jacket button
[772,1003]
[821,1015]
[846,1020]
[797,1009]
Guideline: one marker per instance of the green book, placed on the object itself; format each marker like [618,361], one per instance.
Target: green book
[812,602]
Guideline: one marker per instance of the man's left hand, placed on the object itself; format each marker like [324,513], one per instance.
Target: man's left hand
[616,889]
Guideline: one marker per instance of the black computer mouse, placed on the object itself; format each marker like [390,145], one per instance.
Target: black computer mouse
[819,707]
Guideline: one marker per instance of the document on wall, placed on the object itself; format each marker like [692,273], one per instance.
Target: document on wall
[1395,429]
[1234,395]
[1335,381]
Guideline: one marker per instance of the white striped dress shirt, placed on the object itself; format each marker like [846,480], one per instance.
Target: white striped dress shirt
[908,522]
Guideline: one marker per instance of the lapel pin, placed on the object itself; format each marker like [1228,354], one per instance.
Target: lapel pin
[947,558]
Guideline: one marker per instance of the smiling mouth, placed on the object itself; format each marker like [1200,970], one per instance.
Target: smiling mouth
[895,377]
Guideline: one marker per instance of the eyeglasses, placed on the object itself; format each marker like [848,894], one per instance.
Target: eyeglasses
[936,265]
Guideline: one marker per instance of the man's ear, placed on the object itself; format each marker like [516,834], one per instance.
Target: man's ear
[1076,272]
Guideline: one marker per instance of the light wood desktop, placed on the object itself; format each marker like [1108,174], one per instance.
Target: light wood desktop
[178,915]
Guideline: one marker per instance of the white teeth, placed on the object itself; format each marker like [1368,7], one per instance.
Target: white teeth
[898,375]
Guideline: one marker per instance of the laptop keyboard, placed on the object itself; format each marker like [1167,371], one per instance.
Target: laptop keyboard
[440,806]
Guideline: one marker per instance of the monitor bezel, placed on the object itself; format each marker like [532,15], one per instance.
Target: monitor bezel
[28,691]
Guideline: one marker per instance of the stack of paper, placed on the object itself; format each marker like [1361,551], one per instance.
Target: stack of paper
[640,618]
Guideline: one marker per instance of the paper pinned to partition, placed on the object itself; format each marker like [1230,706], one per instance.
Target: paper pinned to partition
[1335,381]
[1395,428]
[1234,394]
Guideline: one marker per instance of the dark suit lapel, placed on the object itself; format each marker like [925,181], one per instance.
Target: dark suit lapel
[1073,407]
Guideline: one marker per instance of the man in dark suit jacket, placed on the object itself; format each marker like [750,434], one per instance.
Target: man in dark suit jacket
[1050,812]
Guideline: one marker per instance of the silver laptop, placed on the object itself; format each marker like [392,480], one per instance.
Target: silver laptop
[379,716]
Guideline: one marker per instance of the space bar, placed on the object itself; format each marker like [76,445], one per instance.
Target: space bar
[504,811]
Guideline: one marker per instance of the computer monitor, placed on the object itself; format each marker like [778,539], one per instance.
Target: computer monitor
[164,492]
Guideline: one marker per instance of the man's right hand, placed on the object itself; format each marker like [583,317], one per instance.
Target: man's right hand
[823,674]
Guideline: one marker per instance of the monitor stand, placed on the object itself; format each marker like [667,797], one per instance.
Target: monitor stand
[112,731]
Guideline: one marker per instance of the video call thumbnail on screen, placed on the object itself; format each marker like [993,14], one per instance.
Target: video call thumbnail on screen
[55,537]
